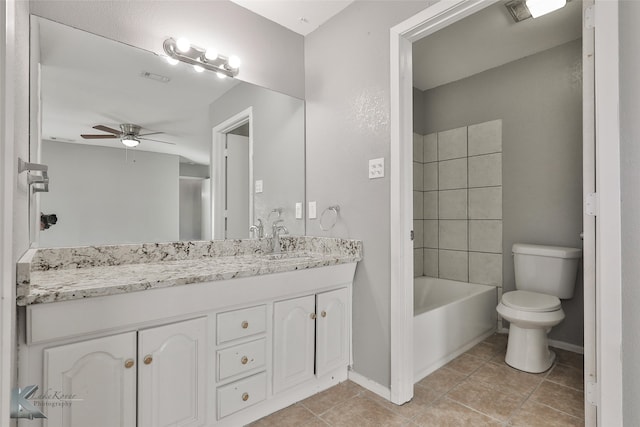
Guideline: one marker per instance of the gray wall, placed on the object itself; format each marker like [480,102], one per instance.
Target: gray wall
[278,148]
[539,99]
[630,182]
[272,56]
[101,198]
[190,194]
[347,93]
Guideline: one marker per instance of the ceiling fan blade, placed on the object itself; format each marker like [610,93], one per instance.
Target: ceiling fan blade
[107,129]
[152,133]
[156,140]
[100,136]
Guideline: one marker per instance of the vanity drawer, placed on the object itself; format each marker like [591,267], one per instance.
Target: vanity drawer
[241,323]
[241,358]
[241,394]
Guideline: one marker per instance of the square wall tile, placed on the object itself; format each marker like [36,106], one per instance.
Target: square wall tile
[418,233]
[452,144]
[430,210]
[418,148]
[430,263]
[485,269]
[430,177]
[418,205]
[485,235]
[485,170]
[485,203]
[453,234]
[418,260]
[418,176]
[452,204]
[485,138]
[430,148]
[430,237]
[453,265]
[452,174]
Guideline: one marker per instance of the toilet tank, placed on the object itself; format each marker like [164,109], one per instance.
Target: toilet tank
[551,270]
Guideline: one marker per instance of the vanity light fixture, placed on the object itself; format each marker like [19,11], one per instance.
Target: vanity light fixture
[525,9]
[130,141]
[201,59]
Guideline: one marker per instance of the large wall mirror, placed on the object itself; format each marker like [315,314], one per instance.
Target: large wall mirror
[214,155]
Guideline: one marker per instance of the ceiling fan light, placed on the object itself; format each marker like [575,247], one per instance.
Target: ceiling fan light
[130,141]
[542,7]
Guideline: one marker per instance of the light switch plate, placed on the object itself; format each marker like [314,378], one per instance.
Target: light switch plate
[312,210]
[258,186]
[299,210]
[376,168]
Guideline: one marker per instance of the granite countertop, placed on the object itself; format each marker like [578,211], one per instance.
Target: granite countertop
[50,275]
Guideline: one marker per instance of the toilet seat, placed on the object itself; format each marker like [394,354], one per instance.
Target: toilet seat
[531,301]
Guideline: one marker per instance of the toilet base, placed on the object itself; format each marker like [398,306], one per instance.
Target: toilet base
[528,349]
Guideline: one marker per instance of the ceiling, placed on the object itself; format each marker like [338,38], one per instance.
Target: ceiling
[488,39]
[300,16]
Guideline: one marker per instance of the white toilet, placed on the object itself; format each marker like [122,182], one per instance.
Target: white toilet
[544,274]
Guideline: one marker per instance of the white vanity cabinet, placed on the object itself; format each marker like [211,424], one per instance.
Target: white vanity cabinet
[310,332]
[160,368]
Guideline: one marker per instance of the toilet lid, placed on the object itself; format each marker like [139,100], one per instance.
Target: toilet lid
[531,301]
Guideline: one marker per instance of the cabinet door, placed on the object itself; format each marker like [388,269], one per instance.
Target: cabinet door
[293,341]
[99,375]
[172,374]
[332,329]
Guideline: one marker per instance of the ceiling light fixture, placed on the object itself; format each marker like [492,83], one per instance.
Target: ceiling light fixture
[130,141]
[207,59]
[525,9]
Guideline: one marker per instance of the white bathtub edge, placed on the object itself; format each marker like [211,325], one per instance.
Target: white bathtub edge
[370,385]
[443,361]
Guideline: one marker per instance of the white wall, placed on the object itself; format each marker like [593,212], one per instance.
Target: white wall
[102,198]
[190,194]
[630,181]
[539,99]
[271,55]
[348,96]
[278,148]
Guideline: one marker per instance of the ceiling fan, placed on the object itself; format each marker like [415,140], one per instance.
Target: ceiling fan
[129,134]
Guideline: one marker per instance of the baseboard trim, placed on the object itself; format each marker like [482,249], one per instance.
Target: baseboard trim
[370,385]
[555,343]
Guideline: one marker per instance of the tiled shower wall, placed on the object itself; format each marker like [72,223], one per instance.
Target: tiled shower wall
[457,204]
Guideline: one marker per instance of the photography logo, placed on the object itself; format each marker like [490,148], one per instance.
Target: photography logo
[25,405]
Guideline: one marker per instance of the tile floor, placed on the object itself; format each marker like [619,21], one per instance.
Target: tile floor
[476,389]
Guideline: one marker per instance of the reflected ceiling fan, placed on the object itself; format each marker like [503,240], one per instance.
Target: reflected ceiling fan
[129,134]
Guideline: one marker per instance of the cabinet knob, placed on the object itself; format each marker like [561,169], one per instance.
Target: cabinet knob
[245,396]
[312,315]
[128,363]
[244,360]
[245,324]
[148,359]
[323,314]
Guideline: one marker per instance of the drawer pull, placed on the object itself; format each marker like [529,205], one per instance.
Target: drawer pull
[244,360]
[245,396]
[312,315]
[245,324]
[129,363]
[323,314]
[148,359]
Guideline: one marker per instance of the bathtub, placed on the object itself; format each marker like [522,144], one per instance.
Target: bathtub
[449,318]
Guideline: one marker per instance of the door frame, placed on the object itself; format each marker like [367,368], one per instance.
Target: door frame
[217,168]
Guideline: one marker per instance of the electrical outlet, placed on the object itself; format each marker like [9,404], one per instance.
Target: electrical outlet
[299,210]
[376,168]
[312,210]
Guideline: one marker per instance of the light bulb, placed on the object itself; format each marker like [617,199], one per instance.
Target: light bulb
[130,141]
[183,45]
[234,61]
[198,68]
[542,7]
[211,54]
[171,60]
[221,75]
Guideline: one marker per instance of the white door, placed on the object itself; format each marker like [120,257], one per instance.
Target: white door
[237,189]
[293,341]
[99,375]
[332,331]
[172,374]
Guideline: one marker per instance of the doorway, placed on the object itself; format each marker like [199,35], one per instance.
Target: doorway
[432,19]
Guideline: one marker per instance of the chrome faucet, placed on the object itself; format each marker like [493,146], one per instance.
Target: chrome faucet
[257,230]
[276,229]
